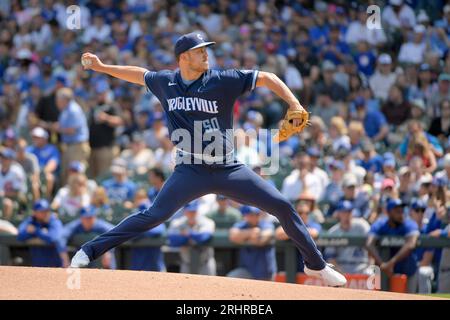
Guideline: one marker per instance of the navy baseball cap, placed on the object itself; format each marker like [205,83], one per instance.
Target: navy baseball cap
[249,210]
[190,41]
[419,205]
[394,203]
[345,205]
[41,205]
[191,206]
[89,211]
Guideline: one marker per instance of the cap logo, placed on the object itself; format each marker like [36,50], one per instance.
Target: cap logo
[200,36]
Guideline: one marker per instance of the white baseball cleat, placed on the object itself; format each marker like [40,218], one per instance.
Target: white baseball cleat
[331,277]
[80,260]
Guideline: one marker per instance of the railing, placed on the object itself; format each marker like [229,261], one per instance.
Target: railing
[220,240]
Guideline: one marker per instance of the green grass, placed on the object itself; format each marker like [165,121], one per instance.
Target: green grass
[439,295]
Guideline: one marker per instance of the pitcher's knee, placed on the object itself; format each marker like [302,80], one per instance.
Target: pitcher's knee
[282,208]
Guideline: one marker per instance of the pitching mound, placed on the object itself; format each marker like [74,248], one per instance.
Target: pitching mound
[50,283]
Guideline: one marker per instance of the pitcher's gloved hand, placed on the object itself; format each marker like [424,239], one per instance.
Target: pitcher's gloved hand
[294,122]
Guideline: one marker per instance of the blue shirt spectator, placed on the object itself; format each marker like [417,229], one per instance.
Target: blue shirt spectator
[396,225]
[72,120]
[45,226]
[45,152]
[258,261]
[119,188]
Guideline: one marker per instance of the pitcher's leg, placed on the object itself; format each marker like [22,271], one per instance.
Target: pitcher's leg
[245,186]
[184,185]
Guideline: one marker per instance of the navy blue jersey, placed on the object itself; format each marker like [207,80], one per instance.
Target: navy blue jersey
[204,108]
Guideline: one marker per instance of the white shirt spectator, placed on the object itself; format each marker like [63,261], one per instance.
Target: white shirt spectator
[212,23]
[293,186]
[14,180]
[358,32]
[405,18]
[350,259]
[98,33]
[381,83]
[411,52]
[293,78]
[71,205]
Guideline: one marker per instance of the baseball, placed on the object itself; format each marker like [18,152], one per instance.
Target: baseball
[86,62]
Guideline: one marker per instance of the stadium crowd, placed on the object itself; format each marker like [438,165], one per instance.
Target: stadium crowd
[81,150]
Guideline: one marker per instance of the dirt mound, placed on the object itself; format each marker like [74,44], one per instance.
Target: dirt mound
[94,284]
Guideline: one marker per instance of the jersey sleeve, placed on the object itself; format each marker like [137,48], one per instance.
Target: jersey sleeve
[375,229]
[241,81]
[411,228]
[150,80]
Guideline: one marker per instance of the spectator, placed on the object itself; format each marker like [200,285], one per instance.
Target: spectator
[157,132]
[73,128]
[420,148]
[414,51]
[398,15]
[371,160]
[191,230]
[256,260]
[415,128]
[48,157]
[46,113]
[405,188]
[30,165]
[383,79]
[149,259]
[400,261]
[69,200]
[119,188]
[440,94]
[45,226]
[301,179]
[103,119]
[338,133]
[358,198]
[13,186]
[424,257]
[364,58]
[348,259]
[374,121]
[225,214]
[396,109]
[77,168]
[356,134]
[100,202]
[138,158]
[88,223]
[328,86]
[440,126]
[419,112]
[357,30]
[333,191]
[445,173]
